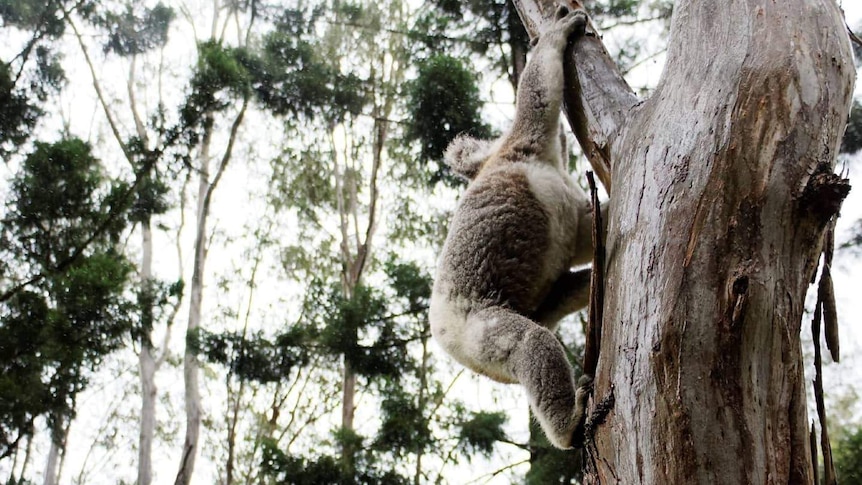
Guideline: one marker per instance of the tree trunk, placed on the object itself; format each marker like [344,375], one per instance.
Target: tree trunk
[190,358]
[146,363]
[52,464]
[519,41]
[191,366]
[715,230]
[56,454]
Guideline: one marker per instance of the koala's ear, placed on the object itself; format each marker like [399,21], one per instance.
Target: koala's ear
[465,155]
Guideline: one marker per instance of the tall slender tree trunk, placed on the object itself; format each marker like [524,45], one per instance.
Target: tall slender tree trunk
[52,464]
[146,363]
[56,454]
[348,410]
[349,280]
[191,366]
[354,262]
[722,187]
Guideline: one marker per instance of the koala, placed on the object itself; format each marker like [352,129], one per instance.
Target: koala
[504,278]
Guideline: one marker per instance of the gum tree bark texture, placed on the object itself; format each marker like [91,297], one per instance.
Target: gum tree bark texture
[715,229]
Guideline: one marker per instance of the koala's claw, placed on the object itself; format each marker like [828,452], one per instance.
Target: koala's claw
[571,21]
[562,11]
[582,394]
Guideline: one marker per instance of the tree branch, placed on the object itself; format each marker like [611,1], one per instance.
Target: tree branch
[597,293]
[97,86]
[853,37]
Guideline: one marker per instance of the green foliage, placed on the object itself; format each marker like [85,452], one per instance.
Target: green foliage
[221,67]
[350,321]
[549,464]
[150,197]
[58,203]
[482,431]
[218,69]
[288,76]
[28,78]
[56,332]
[254,357]
[293,78]
[153,297]
[615,8]
[492,24]
[852,141]
[443,103]
[137,29]
[56,182]
[404,428]
[847,457]
[298,470]
[410,283]
[303,181]
[24,395]
[18,114]
[49,72]
[372,329]
[34,14]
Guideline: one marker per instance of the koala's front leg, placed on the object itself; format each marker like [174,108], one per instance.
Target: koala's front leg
[540,92]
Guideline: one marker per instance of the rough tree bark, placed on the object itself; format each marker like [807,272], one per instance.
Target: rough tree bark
[715,230]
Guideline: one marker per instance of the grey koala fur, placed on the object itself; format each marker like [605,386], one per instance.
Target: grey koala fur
[504,277]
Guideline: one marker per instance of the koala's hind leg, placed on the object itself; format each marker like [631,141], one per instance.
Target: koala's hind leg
[507,343]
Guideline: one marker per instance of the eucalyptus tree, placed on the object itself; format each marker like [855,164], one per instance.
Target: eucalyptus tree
[131,31]
[715,230]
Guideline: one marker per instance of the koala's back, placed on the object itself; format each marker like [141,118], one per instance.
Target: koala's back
[501,237]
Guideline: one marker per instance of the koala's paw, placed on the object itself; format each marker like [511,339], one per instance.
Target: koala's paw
[582,394]
[570,21]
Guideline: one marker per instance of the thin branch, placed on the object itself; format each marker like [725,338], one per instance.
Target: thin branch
[39,34]
[339,199]
[228,152]
[98,87]
[133,106]
[828,468]
[489,476]
[597,293]
[522,446]
[629,23]
[853,37]
[644,61]
[425,36]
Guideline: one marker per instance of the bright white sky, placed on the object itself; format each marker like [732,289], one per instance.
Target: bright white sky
[232,208]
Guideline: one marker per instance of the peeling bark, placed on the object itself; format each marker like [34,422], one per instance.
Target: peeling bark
[716,225]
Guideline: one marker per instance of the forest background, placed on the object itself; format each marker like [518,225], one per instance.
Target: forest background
[220,221]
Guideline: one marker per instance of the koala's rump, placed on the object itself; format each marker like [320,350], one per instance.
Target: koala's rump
[499,242]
